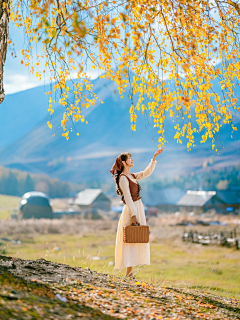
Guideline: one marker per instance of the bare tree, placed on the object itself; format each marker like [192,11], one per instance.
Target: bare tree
[4,19]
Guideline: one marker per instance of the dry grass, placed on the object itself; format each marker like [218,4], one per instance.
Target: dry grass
[60,204]
[173,262]
[55,226]
[8,206]
[160,227]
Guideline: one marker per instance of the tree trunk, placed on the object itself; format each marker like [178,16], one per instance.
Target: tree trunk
[4,18]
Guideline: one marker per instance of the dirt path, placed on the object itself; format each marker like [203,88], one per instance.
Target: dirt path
[42,289]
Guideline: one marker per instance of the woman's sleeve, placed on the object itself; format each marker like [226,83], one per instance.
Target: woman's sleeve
[124,185]
[147,172]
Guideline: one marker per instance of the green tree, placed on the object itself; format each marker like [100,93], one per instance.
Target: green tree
[29,184]
[11,185]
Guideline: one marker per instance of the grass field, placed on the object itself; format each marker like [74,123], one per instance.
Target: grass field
[173,263]
[91,244]
[7,205]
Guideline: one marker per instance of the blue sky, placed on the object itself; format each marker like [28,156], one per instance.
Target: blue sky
[16,76]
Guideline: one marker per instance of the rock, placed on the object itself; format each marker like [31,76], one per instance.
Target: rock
[16,241]
[61,298]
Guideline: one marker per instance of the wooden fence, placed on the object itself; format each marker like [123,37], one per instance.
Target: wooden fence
[223,238]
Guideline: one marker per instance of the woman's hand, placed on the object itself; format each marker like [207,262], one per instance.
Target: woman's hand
[160,150]
[135,221]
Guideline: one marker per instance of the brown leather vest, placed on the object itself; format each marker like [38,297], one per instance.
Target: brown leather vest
[134,189]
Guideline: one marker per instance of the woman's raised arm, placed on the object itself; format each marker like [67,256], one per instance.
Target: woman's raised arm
[149,170]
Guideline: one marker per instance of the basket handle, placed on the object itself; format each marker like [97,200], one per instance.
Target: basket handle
[135,224]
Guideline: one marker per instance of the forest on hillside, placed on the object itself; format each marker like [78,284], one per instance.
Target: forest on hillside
[16,183]
[211,179]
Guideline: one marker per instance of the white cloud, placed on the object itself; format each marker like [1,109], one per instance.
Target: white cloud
[19,82]
[92,74]
[108,153]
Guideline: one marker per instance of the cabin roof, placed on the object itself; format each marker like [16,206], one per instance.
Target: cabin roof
[229,196]
[87,196]
[196,198]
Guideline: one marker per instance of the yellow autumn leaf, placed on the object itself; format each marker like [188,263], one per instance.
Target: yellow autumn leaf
[49,124]
[133,127]
[188,51]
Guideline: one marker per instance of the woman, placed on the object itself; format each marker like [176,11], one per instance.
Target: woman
[130,255]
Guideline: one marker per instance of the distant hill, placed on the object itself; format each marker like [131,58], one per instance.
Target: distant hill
[21,112]
[30,145]
[15,182]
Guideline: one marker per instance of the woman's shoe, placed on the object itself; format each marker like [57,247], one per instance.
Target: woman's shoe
[129,278]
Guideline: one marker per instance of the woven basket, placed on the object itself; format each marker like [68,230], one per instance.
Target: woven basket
[136,234]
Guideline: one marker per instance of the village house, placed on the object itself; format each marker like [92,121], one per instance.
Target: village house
[223,201]
[231,200]
[90,200]
[197,201]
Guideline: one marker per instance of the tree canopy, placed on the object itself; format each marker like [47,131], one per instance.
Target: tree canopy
[168,54]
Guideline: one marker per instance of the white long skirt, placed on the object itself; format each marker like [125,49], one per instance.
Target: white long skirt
[131,254]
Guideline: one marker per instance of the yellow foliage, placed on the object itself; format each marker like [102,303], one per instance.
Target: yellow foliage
[49,124]
[133,127]
[190,38]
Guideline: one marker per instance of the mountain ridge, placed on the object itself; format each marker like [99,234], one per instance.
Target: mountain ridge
[90,156]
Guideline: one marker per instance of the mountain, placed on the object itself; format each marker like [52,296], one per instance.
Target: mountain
[21,112]
[30,145]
